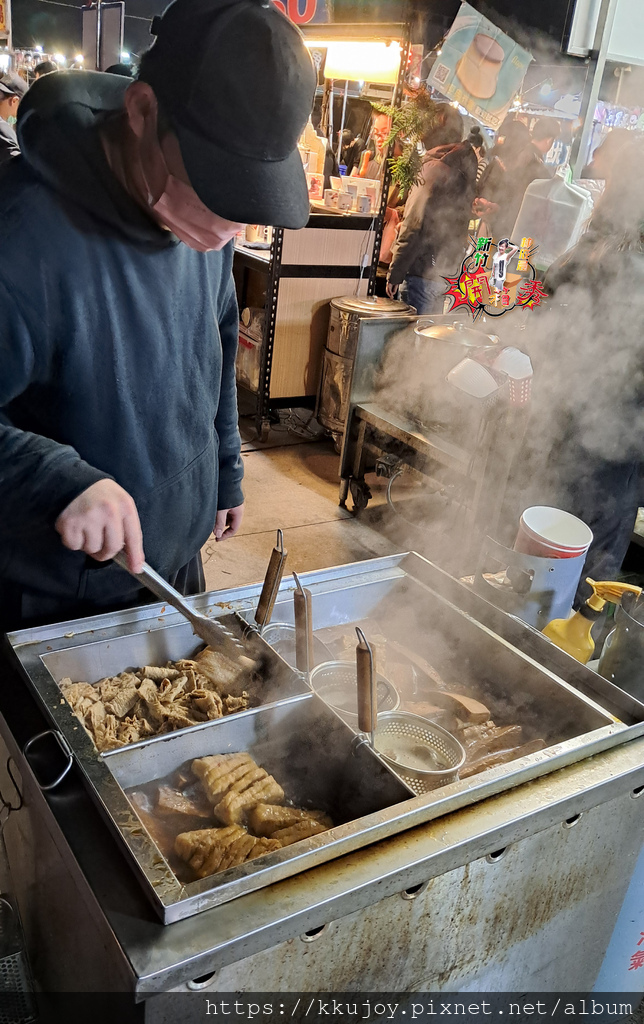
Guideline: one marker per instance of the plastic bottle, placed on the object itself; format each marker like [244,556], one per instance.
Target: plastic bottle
[573,635]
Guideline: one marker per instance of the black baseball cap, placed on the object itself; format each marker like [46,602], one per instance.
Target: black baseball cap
[13,85]
[237,84]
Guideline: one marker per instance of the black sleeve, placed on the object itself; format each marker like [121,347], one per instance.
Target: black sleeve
[8,142]
[38,476]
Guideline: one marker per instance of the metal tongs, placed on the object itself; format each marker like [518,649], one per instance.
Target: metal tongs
[211,632]
[367,694]
[272,581]
[302,607]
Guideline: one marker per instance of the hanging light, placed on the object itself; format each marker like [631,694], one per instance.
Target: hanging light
[363,61]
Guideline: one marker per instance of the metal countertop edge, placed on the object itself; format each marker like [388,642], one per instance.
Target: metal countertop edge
[351,883]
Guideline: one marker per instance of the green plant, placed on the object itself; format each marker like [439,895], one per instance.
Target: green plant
[410,123]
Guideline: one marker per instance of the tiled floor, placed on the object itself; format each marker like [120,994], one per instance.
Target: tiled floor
[293,485]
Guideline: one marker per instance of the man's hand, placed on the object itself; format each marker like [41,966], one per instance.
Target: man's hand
[484,208]
[392,290]
[102,521]
[228,522]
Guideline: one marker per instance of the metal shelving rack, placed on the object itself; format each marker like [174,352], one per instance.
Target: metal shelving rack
[327,265]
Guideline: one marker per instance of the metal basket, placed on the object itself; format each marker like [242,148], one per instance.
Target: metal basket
[17,1004]
[336,682]
[281,637]
[405,742]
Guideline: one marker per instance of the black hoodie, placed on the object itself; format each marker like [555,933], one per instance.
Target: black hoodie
[433,234]
[117,359]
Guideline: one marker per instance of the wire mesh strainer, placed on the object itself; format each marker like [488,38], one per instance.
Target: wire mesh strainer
[424,755]
[337,684]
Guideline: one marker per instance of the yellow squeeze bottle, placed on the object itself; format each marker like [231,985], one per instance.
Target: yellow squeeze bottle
[573,635]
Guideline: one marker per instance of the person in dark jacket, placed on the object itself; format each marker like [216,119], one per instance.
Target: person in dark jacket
[46,67]
[433,235]
[608,153]
[118,317]
[517,163]
[585,439]
[12,89]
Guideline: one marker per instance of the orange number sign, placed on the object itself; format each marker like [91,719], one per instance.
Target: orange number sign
[293,9]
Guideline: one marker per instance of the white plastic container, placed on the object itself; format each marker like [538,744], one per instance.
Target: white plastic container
[554,214]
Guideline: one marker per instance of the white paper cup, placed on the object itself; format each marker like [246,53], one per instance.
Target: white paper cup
[552,533]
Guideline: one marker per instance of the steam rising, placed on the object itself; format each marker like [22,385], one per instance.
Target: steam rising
[585,432]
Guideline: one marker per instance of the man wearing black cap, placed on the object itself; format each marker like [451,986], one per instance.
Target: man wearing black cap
[118,318]
[12,89]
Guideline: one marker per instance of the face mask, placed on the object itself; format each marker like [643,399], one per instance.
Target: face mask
[181,210]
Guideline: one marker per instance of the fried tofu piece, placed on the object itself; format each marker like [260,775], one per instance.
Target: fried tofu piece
[266,819]
[158,674]
[214,849]
[171,690]
[237,852]
[234,805]
[208,702]
[122,702]
[300,830]
[227,677]
[213,768]
[263,846]
[233,704]
[130,731]
[171,801]
[74,693]
[204,849]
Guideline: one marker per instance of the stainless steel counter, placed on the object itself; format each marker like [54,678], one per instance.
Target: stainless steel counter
[87,917]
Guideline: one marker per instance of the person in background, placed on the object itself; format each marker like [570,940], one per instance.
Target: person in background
[12,89]
[433,235]
[585,438]
[373,158]
[477,142]
[118,317]
[125,70]
[518,161]
[352,148]
[46,67]
[607,153]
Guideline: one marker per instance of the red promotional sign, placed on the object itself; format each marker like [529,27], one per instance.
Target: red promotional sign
[3,17]
[300,11]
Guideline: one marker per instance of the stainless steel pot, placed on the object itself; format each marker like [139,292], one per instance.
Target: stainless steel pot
[622,660]
[444,345]
[346,313]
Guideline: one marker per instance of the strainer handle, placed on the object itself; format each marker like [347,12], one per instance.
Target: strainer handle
[366,674]
[303,612]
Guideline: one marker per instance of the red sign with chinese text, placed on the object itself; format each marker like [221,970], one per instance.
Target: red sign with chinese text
[303,11]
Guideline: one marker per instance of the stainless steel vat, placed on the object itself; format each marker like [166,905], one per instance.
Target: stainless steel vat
[516,688]
[515,876]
